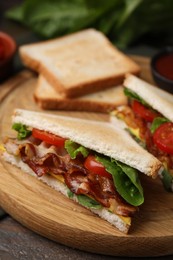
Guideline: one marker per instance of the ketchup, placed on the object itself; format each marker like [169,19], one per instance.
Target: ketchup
[164,65]
[2,51]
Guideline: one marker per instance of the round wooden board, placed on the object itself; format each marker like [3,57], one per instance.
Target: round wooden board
[50,214]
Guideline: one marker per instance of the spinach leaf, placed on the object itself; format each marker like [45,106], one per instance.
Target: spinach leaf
[117,19]
[126,180]
[167,180]
[22,130]
[84,200]
[157,122]
[74,149]
[88,202]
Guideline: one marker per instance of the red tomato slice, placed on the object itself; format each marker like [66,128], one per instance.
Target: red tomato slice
[163,137]
[48,137]
[96,167]
[143,112]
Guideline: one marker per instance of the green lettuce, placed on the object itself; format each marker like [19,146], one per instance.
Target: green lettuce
[157,122]
[88,202]
[167,180]
[125,179]
[74,149]
[22,130]
[85,200]
[131,94]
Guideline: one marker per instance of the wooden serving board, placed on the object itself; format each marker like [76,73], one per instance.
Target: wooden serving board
[50,214]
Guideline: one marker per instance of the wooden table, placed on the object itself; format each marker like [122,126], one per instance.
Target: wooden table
[16,241]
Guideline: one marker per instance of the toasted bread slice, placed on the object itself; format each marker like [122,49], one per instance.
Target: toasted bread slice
[102,101]
[79,63]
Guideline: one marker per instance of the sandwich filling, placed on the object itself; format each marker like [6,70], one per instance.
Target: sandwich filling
[96,180]
[151,130]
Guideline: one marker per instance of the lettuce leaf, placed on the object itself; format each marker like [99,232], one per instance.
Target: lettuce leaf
[88,202]
[131,94]
[74,149]
[125,179]
[167,180]
[85,200]
[22,130]
[157,122]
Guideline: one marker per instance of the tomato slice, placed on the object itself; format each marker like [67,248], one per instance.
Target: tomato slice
[163,137]
[143,112]
[96,167]
[48,137]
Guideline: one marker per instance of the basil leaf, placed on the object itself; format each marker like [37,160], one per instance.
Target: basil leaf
[157,122]
[88,202]
[167,180]
[129,93]
[74,149]
[22,130]
[125,179]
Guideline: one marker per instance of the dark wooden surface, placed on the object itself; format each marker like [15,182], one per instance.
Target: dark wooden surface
[16,241]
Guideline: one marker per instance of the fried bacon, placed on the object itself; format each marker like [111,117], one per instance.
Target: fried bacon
[77,178]
[133,121]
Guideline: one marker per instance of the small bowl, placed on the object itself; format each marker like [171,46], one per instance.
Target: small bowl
[162,69]
[7,51]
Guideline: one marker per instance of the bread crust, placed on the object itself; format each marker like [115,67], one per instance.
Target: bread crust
[102,101]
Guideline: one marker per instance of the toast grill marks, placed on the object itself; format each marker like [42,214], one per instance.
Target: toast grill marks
[76,177]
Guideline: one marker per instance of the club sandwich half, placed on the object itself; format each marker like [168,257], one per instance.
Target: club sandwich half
[97,164]
[149,119]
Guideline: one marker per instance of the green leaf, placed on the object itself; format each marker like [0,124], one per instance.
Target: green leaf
[131,94]
[84,200]
[117,19]
[126,180]
[16,13]
[167,180]
[70,194]
[74,149]
[22,130]
[130,7]
[157,122]
[88,202]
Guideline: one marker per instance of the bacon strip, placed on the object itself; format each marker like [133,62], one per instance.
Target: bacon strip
[78,179]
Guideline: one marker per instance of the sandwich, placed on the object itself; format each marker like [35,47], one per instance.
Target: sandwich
[149,119]
[79,63]
[94,163]
[102,101]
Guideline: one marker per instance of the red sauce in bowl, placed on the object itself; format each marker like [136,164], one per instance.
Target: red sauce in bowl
[162,68]
[2,51]
[164,65]
[7,52]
